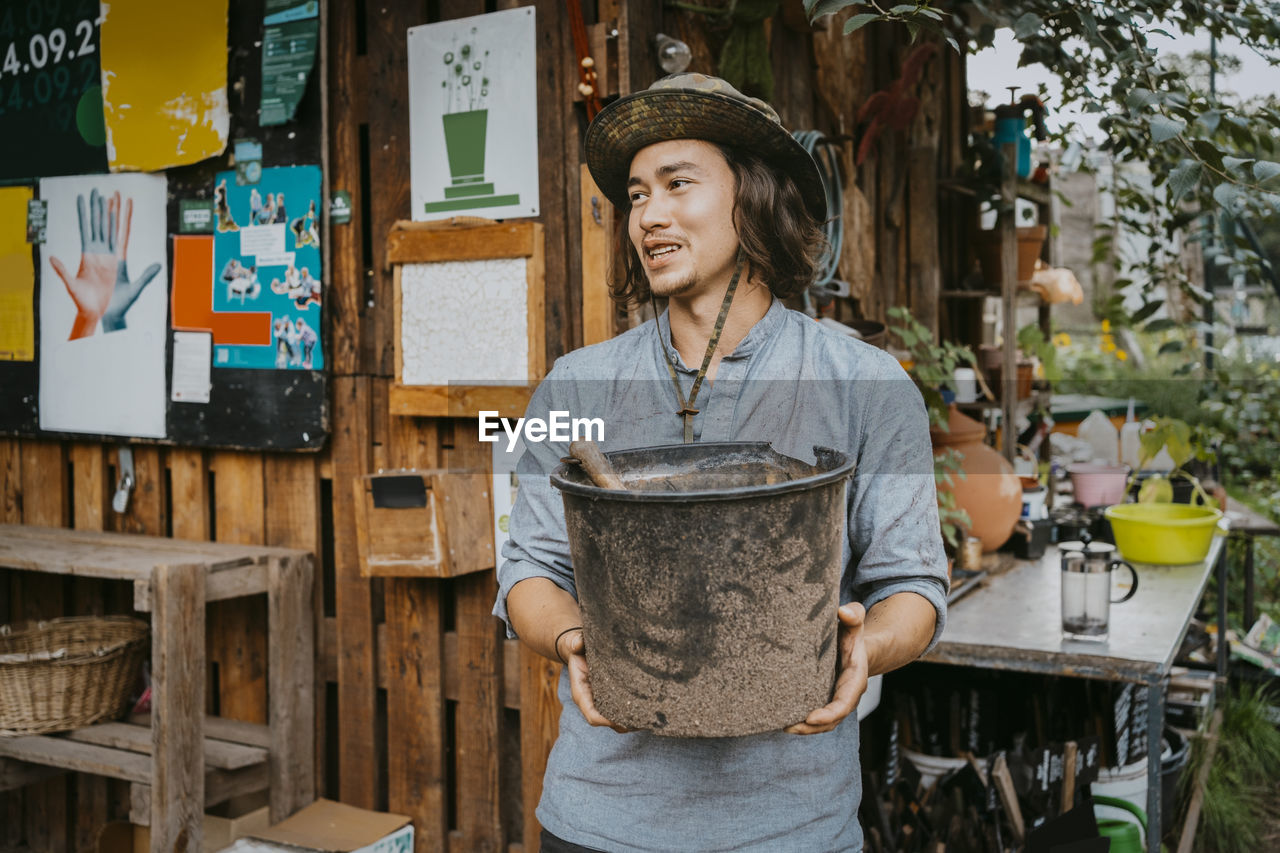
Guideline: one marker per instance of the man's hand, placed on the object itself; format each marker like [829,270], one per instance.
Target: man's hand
[573,648]
[126,292]
[852,681]
[101,289]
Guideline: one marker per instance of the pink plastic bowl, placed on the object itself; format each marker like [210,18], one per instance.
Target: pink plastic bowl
[1098,485]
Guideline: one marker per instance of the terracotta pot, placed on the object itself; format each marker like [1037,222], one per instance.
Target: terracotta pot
[1030,241]
[990,492]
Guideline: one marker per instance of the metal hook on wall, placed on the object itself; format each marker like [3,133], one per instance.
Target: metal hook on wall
[125,481]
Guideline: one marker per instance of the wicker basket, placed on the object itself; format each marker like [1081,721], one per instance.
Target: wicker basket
[66,673]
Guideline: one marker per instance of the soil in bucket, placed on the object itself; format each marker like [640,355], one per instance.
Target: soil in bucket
[708,586]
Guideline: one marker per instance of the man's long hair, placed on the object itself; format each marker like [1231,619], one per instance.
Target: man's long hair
[780,238]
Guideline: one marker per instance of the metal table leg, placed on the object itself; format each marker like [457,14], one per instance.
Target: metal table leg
[1155,732]
[1223,645]
[1248,581]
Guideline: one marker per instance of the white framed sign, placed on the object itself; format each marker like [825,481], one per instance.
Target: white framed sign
[473,117]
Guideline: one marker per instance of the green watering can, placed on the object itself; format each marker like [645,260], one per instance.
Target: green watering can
[1125,835]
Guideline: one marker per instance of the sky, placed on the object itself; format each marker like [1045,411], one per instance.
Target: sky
[995,68]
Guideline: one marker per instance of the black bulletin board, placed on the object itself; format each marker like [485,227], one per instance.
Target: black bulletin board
[253,409]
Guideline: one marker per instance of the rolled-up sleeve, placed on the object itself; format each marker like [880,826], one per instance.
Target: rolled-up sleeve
[537,546]
[895,535]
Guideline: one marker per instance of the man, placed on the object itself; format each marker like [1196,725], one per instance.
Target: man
[719,215]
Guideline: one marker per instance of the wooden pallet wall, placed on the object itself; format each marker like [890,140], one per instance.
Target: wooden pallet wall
[424,708]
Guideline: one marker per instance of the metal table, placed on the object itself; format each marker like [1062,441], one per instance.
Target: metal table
[1247,525]
[1014,623]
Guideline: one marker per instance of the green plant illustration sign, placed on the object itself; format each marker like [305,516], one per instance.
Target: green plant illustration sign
[468,136]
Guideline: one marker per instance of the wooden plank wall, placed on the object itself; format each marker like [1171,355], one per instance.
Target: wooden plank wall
[423,707]
[893,250]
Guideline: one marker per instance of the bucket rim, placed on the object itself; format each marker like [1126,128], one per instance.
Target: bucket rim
[841,472]
[1165,514]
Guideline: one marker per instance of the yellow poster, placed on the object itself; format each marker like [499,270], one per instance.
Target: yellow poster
[17,278]
[164,82]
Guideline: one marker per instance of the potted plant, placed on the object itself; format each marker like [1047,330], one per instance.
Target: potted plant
[985,179]
[978,492]
[1184,445]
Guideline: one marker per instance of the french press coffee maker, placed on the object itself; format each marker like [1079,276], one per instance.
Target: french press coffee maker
[1086,588]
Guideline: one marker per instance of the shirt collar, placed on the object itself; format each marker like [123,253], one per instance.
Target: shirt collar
[755,338]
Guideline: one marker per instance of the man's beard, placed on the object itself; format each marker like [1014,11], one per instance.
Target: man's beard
[678,288]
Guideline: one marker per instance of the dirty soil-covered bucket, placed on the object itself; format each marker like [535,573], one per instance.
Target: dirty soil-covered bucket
[709,586]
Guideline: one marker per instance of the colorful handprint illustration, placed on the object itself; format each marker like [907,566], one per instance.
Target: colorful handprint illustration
[100,287]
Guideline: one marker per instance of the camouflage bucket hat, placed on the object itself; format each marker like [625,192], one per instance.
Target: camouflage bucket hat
[695,106]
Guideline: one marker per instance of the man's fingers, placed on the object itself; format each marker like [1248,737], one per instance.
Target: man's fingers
[144,279]
[574,644]
[61,270]
[580,684]
[852,614]
[100,219]
[113,221]
[95,215]
[124,227]
[84,221]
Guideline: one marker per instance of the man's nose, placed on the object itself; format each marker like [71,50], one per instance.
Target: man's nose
[655,212]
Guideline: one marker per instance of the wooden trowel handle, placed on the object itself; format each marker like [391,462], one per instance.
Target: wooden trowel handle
[596,464]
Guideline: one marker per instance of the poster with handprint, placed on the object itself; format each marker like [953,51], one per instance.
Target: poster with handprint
[104,305]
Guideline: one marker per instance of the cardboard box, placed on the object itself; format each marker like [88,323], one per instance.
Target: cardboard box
[329,827]
[218,833]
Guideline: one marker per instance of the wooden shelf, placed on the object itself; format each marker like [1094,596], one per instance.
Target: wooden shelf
[180,762]
[1034,193]
[123,751]
[1026,190]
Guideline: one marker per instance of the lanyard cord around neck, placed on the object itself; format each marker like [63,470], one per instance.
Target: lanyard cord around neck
[687,411]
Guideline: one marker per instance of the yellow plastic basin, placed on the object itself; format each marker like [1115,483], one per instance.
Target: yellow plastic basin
[1163,533]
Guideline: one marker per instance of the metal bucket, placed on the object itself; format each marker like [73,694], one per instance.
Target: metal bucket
[709,586]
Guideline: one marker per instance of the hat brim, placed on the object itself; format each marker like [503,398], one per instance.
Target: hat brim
[631,123]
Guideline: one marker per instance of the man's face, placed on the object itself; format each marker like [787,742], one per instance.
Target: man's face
[681,224]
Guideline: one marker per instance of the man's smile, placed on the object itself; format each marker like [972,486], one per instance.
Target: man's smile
[658,253]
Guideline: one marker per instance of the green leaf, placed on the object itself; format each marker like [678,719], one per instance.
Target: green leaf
[1147,311]
[1164,128]
[857,22]
[1210,120]
[817,8]
[1140,99]
[1027,25]
[903,9]
[1161,325]
[1236,164]
[1089,22]
[1226,195]
[1183,179]
[1265,170]
[1208,152]
[1170,346]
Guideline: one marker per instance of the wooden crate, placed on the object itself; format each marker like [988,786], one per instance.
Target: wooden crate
[425,524]
[172,579]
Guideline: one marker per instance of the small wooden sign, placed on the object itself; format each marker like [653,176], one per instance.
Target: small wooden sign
[424,523]
[469,327]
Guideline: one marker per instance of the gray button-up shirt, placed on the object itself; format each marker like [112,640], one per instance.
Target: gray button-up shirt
[795,384]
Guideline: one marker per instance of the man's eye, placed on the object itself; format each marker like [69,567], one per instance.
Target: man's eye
[637,196]
[679,182]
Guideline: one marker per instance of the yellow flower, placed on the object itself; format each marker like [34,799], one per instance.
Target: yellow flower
[1062,339]
[1108,343]
[1106,325]
[1122,355]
